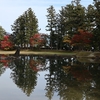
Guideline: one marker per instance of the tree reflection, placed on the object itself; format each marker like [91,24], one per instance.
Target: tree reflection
[55,76]
[4,63]
[69,78]
[74,80]
[25,73]
[2,69]
[37,63]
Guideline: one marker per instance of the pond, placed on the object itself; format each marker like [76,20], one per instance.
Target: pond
[31,77]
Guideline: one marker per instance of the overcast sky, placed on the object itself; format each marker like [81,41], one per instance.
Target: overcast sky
[10,10]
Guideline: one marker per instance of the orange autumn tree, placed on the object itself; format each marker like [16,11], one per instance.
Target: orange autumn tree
[37,40]
[82,39]
[67,39]
[6,43]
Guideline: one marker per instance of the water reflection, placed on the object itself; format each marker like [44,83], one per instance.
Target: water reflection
[69,78]
[4,63]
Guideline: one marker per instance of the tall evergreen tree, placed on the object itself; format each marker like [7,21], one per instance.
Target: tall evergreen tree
[61,29]
[2,33]
[97,24]
[52,25]
[71,18]
[31,24]
[18,31]
[90,15]
[24,27]
[74,17]
[64,27]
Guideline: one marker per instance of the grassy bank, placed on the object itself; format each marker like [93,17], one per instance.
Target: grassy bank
[87,54]
[42,52]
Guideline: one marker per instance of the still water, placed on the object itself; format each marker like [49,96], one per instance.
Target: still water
[31,77]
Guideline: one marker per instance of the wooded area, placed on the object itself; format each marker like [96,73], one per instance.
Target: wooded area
[74,27]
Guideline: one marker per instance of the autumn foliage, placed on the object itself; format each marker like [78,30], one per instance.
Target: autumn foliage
[36,40]
[33,65]
[4,61]
[6,44]
[82,37]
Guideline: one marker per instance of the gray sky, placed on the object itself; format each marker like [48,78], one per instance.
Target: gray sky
[10,10]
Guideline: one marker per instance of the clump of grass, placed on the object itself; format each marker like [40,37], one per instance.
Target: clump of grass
[83,54]
[97,54]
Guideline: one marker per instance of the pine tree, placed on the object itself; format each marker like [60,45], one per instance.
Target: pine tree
[31,24]
[90,21]
[96,30]
[71,18]
[2,32]
[18,31]
[24,27]
[52,25]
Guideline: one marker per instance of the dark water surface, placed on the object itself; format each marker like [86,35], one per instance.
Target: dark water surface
[48,78]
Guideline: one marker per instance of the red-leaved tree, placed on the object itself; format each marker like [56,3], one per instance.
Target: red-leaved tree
[6,44]
[36,40]
[81,39]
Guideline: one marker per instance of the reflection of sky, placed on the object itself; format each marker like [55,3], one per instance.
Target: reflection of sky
[9,90]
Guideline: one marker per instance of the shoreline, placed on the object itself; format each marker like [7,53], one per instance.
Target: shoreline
[77,54]
[52,53]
